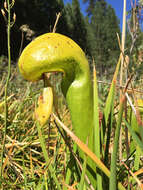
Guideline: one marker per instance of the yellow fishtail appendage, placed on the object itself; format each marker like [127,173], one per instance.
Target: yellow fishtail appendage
[45,104]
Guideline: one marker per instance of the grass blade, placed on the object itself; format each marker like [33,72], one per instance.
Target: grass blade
[43,146]
[110,98]
[96,127]
[134,136]
[81,186]
[113,177]
[85,149]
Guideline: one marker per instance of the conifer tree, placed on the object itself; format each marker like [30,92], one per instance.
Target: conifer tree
[105,26]
[91,5]
[80,29]
[112,29]
[98,24]
[40,15]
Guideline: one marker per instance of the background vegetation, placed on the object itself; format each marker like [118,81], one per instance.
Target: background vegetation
[23,164]
[95,33]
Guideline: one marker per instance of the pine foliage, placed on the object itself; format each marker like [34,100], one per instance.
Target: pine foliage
[94,32]
[105,26]
[80,29]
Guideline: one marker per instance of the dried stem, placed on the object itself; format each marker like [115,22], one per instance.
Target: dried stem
[9,25]
[56,22]
[121,72]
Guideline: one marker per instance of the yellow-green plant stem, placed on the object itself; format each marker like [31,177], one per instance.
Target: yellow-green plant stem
[6,85]
[43,146]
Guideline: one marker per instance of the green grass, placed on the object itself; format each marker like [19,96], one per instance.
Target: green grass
[24,166]
[46,158]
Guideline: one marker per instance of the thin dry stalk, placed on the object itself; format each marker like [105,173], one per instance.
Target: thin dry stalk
[129,90]
[132,174]
[139,172]
[121,71]
[56,22]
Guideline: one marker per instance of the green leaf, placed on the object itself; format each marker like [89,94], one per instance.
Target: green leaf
[96,127]
[113,177]
[134,135]
[111,95]
[81,185]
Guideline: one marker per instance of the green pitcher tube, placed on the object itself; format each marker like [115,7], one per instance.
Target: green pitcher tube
[55,52]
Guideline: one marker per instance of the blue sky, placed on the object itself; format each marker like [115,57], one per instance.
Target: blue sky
[116,4]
